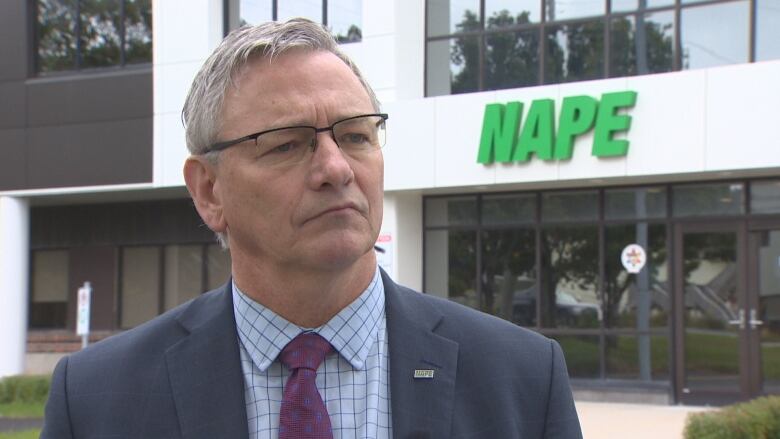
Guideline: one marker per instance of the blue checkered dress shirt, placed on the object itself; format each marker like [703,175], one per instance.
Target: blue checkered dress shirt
[354,381]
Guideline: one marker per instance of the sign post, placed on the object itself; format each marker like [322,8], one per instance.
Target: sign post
[82,316]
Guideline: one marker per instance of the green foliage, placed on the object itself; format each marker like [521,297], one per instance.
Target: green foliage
[24,389]
[757,419]
[26,434]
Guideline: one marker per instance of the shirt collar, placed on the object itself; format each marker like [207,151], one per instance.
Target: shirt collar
[351,332]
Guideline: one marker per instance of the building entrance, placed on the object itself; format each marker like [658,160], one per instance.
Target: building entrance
[727,317]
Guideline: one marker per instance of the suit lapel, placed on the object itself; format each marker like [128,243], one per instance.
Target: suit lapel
[422,406]
[205,371]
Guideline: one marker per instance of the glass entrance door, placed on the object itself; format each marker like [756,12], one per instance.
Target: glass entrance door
[764,313]
[712,339]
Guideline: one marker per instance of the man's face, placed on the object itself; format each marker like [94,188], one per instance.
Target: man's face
[322,214]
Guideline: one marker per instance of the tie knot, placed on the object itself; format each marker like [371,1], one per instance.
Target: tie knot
[307,350]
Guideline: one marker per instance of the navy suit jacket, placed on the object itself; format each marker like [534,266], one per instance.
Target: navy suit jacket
[179,376]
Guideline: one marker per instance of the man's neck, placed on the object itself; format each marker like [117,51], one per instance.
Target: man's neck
[308,299]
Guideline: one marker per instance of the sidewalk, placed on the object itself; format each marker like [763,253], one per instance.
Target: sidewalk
[18,424]
[600,420]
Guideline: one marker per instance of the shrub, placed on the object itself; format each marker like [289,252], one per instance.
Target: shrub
[757,419]
[24,389]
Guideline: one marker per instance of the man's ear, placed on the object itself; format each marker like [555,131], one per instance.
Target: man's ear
[201,178]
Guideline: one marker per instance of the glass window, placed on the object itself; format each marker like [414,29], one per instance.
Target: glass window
[575,52]
[506,13]
[633,5]
[452,16]
[453,66]
[635,203]
[511,59]
[708,199]
[49,304]
[569,274]
[138,31]
[311,9]
[217,266]
[183,268]
[644,356]
[765,197]
[582,354]
[451,265]
[451,211]
[564,10]
[642,44]
[642,300]
[56,35]
[508,209]
[570,206]
[345,18]
[255,12]
[509,284]
[767,30]
[701,47]
[140,285]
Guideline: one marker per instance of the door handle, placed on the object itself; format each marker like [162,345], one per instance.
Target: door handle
[740,321]
[754,322]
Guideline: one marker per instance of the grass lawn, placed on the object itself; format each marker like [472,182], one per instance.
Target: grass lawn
[21,410]
[26,434]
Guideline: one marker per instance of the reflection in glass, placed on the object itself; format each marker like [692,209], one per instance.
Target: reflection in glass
[56,35]
[182,279]
[767,30]
[708,199]
[139,285]
[451,265]
[582,354]
[564,10]
[701,47]
[49,288]
[100,29]
[769,307]
[624,359]
[520,12]
[574,52]
[710,303]
[508,209]
[452,66]
[345,19]
[765,197]
[451,211]
[138,31]
[509,286]
[217,266]
[452,16]
[642,44]
[639,301]
[255,11]
[569,273]
[570,206]
[633,5]
[311,9]
[511,59]
[635,203]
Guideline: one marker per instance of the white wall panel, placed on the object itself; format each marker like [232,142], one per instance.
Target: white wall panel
[175,81]
[377,61]
[667,131]
[379,18]
[410,151]
[741,115]
[173,150]
[410,49]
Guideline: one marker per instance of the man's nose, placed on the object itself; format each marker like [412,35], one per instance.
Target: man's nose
[329,164]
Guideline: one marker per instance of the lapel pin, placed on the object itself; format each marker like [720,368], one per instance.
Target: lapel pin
[423,374]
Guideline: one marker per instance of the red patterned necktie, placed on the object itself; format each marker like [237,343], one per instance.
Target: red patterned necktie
[303,413]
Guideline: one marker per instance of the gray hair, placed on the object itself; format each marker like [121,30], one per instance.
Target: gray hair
[203,106]
[202,110]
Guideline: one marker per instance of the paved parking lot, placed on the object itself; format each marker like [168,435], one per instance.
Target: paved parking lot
[601,420]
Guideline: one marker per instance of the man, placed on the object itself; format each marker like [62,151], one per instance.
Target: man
[310,338]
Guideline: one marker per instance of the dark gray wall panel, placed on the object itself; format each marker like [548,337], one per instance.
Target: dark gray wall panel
[12,164]
[90,154]
[12,104]
[14,56]
[90,98]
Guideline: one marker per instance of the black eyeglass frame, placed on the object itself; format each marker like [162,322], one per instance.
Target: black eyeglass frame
[220,146]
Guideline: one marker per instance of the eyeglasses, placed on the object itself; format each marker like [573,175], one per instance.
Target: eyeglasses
[289,145]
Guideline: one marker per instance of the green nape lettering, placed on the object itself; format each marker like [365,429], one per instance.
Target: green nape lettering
[499,132]
[577,116]
[609,122]
[538,133]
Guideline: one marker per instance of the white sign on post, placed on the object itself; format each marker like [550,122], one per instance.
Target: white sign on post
[633,258]
[82,315]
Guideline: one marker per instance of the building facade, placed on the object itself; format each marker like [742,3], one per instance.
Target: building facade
[605,173]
